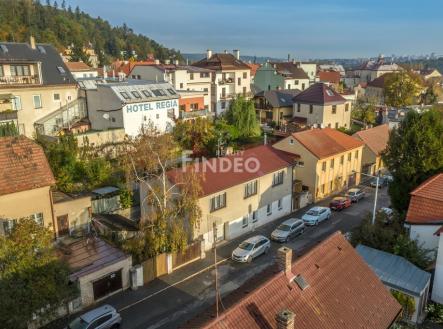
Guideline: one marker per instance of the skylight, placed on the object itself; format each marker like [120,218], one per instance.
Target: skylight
[41,49]
[172,91]
[61,70]
[146,93]
[136,94]
[125,95]
[329,92]
[4,48]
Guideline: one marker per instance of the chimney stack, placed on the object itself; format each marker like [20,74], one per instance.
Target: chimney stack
[285,319]
[167,61]
[284,259]
[32,42]
[157,62]
[236,53]
[208,54]
[176,62]
[289,58]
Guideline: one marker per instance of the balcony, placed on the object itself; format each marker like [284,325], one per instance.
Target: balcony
[227,96]
[194,114]
[226,81]
[20,80]
[8,115]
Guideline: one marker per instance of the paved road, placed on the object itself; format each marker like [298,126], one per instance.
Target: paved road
[169,301]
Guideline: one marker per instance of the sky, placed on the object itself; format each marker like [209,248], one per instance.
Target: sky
[275,28]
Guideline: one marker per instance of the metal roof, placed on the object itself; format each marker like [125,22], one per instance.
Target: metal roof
[395,271]
[105,190]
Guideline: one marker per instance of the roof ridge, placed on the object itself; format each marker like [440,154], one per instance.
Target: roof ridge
[426,183]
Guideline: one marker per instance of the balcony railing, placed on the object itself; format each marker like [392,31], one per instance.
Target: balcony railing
[226,81]
[227,96]
[20,80]
[195,114]
[8,115]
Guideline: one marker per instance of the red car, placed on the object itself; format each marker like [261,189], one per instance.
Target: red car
[340,203]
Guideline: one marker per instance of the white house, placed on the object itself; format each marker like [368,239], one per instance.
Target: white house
[81,70]
[132,105]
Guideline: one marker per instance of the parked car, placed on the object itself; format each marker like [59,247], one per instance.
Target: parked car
[389,212]
[355,194]
[103,317]
[381,183]
[388,178]
[316,215]
[251,248]
[288,229]
[340,203]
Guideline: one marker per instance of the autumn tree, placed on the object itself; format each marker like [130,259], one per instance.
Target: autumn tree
[364,111]
[196,135]
[402,88]
[413,154]
[169,202]
[32,278]
[241,114]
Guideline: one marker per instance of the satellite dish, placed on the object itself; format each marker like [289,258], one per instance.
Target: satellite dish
[106,116]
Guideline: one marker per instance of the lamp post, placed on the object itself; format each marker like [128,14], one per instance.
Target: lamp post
[376,191]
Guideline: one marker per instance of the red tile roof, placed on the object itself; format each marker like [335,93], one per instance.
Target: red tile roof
[343,293]
[375,138]
[319,93]
[78,66]
[326,142]
[254,67]
[329,76]
[426,205]
[23,165]
[218,179]
[221,62]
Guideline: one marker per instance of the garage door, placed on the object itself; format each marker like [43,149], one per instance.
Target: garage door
[108,284]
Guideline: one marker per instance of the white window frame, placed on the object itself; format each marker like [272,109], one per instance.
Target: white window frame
[269,209]
[40,100]
[217,202]
[278,178]
[38,218]
[245,221]
[250,189]
[254,216]
[17,100]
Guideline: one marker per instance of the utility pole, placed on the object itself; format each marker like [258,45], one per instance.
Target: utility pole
[214,230]
[375,200]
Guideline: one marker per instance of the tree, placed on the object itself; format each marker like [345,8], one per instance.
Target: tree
[195,135]
[78,54]
[402,88]
[241,114]
[32,278]
[413,154]
[171,206]
[364,111]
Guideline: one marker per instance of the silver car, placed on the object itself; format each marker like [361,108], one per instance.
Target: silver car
[288,229]
[316,215]
[355,194]
[103,317]
[251,248]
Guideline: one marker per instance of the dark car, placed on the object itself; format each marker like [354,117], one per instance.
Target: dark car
[381,182]
[340,203]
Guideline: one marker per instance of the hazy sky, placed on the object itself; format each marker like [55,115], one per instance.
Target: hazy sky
[305,29]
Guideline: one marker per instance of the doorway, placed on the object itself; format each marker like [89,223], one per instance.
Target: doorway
[62,225]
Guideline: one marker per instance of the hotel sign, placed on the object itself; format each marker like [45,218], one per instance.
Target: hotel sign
[160,105]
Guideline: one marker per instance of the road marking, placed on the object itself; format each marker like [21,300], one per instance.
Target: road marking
[171,285]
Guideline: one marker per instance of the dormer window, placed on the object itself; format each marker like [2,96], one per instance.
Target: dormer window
[125,95]
[136,94]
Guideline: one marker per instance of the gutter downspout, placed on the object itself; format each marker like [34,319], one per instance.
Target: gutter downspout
[52,213]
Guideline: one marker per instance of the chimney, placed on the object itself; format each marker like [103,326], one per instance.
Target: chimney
[236,53]
[285,319]
[225,51]
[176,62]
[208,54]
[32,41]
[167,61]
[284,259]
[157,61]
[289,58]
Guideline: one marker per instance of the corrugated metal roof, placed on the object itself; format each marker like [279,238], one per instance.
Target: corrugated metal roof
[395,271]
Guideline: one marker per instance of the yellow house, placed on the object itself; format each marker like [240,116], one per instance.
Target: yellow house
[375,140]
[322,106]
[25,182]
[329,160]
[275,105]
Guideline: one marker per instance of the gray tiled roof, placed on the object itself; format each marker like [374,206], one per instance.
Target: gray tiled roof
[47,55]
[395,271]
[280,98]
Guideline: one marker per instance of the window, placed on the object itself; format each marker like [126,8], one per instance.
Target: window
[37,101]
[17,101]
[245,75]
[332,163]
[56,97]
[280,204]
[346,107]
[19,70]
[330,186]
[223,105]
[125,95]
[311,109]
[298,107]
[61,70]
[356,154]
[181,85]
[97,323]
[239,81]
[159,92]
[291,141]
[157,116]
[269,209]
[194,106]
[182,107]
[172,91]
[254,216]
[204,75]
[296,82]
[244,91]
[329,125]
[146,93]
[2,73]
[342,159]
[278,178]
[136,94]
[323,166]
[349,156]
[8,225]
[289,86]
[245,221]
[38,218]
[205,89]
[322,188]
[218,202]
[336,125]
[250,189]
[191,76]
[334,109]
[302,86]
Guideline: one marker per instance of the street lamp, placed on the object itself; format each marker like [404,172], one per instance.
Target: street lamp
[376,191]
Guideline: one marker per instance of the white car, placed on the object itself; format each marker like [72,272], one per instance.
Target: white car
[316,215]
[389,212]
[251,248]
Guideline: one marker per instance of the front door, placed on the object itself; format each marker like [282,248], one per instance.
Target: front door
[62,225]
[110,283]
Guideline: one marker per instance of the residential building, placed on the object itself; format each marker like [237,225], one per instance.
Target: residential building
[375,140]
[87,50]
[372,69]
[81,70]
[280,75]
[25,182]
[375,90]
[329,287]
[34,83]
[329,160]
[437,288]
[330,77]
[240,192]
[431,74]
[333,67]
[400,275]
[230,77]
[184,78]
[310,69]
[121,69]
[425,212]
[132,105]
[254,67]
[275,105]
[192,105]
[322,106]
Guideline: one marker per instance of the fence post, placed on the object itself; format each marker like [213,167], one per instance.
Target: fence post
[169,263]
[202,249]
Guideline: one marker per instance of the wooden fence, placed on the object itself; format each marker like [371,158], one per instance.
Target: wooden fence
[191,253]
